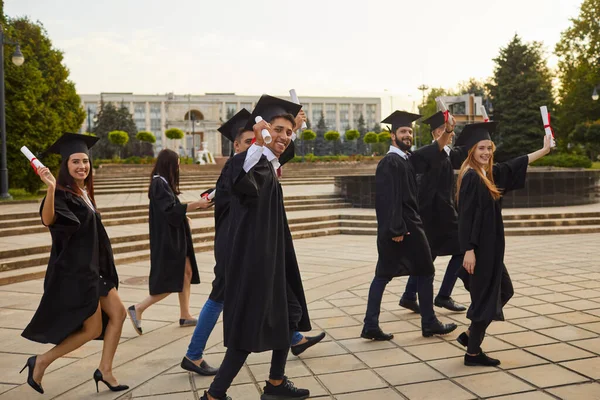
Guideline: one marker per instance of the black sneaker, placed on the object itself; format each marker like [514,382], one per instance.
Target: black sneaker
[310,341]
[205,397]
[411,305]
[376,334]
[481,360]
[285,391]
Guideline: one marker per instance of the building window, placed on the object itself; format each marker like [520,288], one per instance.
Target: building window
[155,120]
[317,110]
[357,111]
[371,112]
[247,106]
[330,116]
[139,116]
[231,109]
[344,116]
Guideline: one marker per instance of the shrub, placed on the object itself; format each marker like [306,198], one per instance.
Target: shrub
[145,136]
[174,133]
[308,135]
[564,160]
[384,137]
[120,138]
[370,138]
[332,136]
[352,134]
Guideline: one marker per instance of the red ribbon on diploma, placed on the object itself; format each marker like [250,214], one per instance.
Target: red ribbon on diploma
[33,166]
[446,115]
[548,126]
[253,141]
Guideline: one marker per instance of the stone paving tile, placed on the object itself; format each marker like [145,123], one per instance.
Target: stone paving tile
[493,384]
[454,367]
[408,373]
[346,382]
[537,395]
[587,391]
[387,357]
[380,394]
[548,375]
[435,390]
[589,367]
[516,358]
[560,352]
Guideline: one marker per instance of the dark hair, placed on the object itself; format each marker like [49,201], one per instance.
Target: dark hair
[167,166]
[289,117]
[67,183]
[240,131]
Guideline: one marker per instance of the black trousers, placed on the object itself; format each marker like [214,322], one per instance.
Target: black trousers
[235,358]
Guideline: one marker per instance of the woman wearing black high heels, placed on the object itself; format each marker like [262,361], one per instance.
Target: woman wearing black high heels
[80,301]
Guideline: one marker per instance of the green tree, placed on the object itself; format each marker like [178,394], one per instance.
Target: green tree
[362,128]
[41,101]
[422,133]
[145,136]
[521,84]
[113,118]
[352,134]
[333,137]
[587,135]
[369,139]
[322,147]
[118,138]
[578,54]
[174,134]
[307,135]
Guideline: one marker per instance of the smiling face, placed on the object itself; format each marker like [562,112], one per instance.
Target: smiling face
[79,167]
[482,152]
[403,137]
[282,135]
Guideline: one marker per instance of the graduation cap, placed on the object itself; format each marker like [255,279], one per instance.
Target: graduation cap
[231,128]
[287,154]
[399,119]
[71,143]
[436,120]
[474,133]
[269,107]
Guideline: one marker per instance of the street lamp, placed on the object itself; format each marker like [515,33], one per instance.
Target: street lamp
[595,93]
[194,124]
[18,60]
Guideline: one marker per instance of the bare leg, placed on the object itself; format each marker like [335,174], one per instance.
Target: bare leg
[184,295]
[113,307]
[92,328]
[147,302]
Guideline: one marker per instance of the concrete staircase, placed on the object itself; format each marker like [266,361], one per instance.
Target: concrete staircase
[309,216]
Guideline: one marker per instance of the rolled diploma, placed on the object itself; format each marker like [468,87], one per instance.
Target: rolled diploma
[295,100]
[35,163]
[265,133]
[443,107]
[484,113]
[546,121]
[211,195]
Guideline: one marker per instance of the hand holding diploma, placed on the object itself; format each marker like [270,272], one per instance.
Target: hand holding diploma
[484,113]
[448,118]
[547,126]
[261,131]
[35,163]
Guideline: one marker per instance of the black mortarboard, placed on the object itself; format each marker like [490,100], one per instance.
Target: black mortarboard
[400,118]
[231,128]
[436,120]
[71,143]
[287,154]
[269,107]
[474,133]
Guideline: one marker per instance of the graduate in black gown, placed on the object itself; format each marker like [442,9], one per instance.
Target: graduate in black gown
[480,187]
[233,130]
[264,298]
[440,219]
[401,241]
[173,267]
[80,301]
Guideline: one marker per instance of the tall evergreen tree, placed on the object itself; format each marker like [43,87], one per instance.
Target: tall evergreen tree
[322,147]
[111,118]
[578,53]
[521,84]
[41,101]
[361,147]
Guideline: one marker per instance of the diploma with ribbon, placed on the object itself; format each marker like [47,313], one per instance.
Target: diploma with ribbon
[547,126]
[208,194]
[442,106]
[484,113]
[294,97]
[35,163]
[265,133]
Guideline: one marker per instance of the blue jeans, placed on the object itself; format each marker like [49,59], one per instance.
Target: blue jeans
[455,263]
[206,323]
[424,287]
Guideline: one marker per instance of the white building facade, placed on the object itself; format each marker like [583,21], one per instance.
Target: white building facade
[199,116]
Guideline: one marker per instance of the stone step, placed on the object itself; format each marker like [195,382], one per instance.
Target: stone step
[143,212]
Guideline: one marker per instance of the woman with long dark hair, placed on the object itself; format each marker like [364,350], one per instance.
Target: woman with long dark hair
[480,187]
[80,301]
[173,265]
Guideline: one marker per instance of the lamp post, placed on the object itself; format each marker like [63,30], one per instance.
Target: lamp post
[18,60]
[595,93]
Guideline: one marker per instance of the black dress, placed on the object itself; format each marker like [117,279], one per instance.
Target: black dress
[80,270]
[481,229]
[261,268]
[170,240]
[397,212]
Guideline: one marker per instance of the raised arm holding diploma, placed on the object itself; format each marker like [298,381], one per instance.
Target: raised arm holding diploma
[35,163]
[547,126]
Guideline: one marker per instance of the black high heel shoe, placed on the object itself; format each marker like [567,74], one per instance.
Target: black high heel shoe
[99,378]
[31,365]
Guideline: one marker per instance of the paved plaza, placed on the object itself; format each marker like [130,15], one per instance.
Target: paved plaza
[549,345]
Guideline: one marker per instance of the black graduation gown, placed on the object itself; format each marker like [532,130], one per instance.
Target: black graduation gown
[81,253]
[170,240]
[262,263]
[436,203]
[398,214]
[222,242]
[481,229]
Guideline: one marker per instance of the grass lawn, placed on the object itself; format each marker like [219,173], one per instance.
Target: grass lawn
[596,165]
[22,194]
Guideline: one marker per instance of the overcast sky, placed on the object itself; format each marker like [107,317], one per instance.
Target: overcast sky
[318,47]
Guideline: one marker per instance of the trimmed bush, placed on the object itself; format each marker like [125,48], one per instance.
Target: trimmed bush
[564,160]
[120,138]
[174,133]
[352,134]
[145,136]
[308,135]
